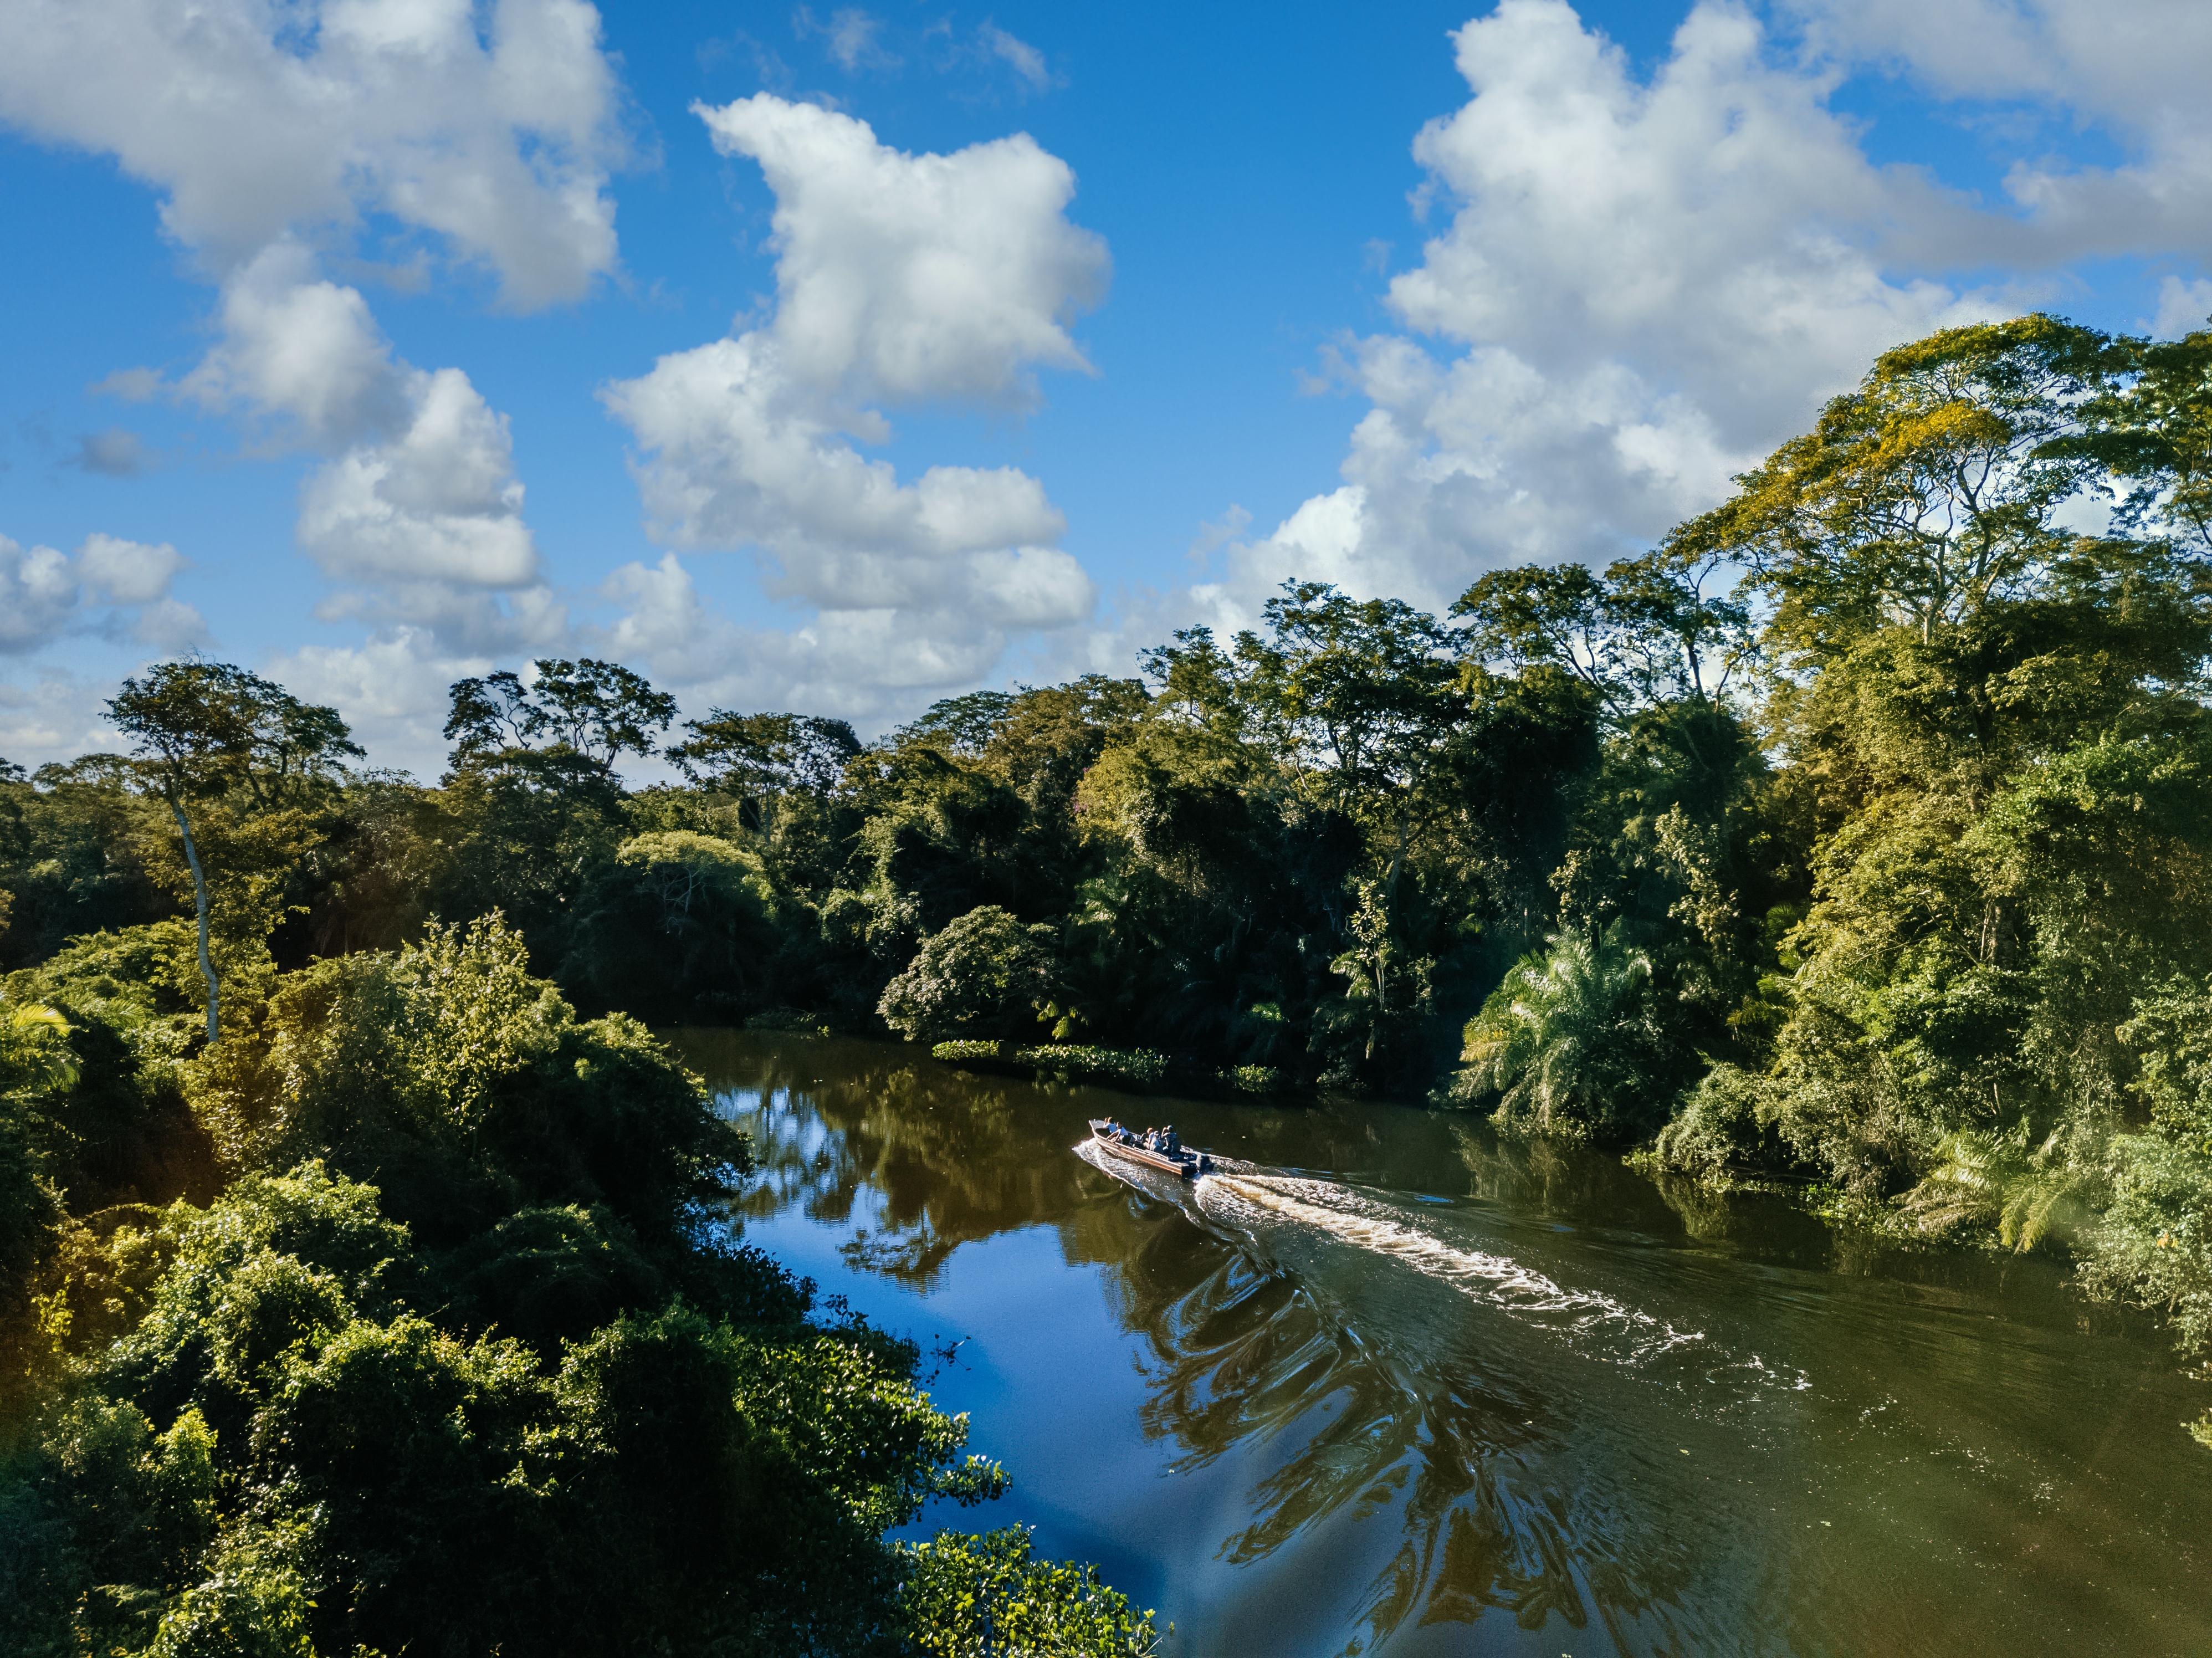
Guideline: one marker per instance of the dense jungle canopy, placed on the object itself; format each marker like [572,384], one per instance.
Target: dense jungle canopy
[1854,836]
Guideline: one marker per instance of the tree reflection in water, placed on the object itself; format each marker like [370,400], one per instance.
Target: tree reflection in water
[1379,1411]
[1376,1411]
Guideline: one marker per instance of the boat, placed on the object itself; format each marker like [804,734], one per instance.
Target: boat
[1124,1143]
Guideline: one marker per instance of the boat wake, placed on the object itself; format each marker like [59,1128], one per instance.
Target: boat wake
[1585,1317]
[1305,1225]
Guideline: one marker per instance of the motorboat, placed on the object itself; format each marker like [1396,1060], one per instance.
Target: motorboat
[1167,1155]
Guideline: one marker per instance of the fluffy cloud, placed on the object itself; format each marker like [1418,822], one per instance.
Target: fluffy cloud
[421,485]
[437,502]
[257,121]
[853,662]
[304,351]
[1644,284]
[906,276]
[57,715]
[2133,68]
[1719,230]
[2182,307]
[900,278]
[117,588]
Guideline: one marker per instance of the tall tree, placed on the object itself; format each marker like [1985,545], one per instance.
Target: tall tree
[207,731]
[1929,492]
[761,757]
[1648,631]
[586,712]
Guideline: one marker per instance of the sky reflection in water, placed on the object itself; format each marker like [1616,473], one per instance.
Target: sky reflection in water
[1408,1390]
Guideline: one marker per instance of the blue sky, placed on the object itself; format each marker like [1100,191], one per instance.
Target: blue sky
[374,342]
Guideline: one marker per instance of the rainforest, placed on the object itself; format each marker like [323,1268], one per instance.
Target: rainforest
[374,1277]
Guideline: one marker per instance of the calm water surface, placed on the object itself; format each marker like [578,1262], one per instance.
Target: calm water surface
[1407,1390]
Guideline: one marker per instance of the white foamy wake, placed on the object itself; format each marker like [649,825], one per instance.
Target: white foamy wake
[1253,1203]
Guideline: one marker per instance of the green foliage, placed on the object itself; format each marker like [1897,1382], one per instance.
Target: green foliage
[675,911]
[956,1053]
[760,758]
[965,1596]
[77,854]
[243,767]
[1573,1046]
[340,1472]
[540,1151]
[985,973]
[587,713]
[1999,1182]
[1260,1079]
[1139,1070]
[1724,1129]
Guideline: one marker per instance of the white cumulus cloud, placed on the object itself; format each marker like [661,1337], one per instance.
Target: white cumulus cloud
[116,588]
[275,133]
[2183,307]
[491,126]
[909,278]
[901,279]
[1639,283]
[2134,69]
[420,484]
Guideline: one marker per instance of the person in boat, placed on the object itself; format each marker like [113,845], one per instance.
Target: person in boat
[1170,1142]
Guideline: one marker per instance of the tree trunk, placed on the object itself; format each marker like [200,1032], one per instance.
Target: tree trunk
[1390,906]
[200,892]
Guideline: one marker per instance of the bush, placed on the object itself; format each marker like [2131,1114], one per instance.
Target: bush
[470,1091]
[342,1473]
[1260,1079]
[1140,1070]
[960,1053]
[680,923]
[983,976]
[2151,1247]
[970,1594]
[1725,1126]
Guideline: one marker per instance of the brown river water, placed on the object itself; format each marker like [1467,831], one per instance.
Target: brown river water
[1406,1390]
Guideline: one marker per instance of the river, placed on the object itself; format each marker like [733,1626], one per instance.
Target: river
[1410,1390]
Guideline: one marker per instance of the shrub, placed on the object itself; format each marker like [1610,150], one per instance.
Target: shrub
[1260,1079]
[983,976]
[967,1595]
[1725,1126]
[470,1089]
[958,1052]
[1137,1069]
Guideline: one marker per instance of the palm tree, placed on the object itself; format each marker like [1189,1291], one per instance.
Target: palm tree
[1566,1039]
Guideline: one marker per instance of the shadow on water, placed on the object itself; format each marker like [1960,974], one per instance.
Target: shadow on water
[1406,1386]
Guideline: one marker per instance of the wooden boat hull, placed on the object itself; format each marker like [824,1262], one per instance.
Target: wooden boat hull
[1184,1168]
